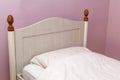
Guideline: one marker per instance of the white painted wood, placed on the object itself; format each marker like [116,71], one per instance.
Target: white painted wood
[85,33]
[11,46]
[46,35]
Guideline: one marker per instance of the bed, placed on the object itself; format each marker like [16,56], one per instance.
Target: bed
[51,34]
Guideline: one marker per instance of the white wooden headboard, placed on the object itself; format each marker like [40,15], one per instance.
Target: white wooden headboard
[46,35]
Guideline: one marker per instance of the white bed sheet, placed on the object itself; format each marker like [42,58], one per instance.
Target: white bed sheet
[86,66]
[32,72]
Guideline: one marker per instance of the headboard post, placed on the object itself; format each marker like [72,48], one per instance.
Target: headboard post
[86,13]
[11,46]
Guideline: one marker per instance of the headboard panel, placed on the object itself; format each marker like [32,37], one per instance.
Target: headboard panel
[46,35]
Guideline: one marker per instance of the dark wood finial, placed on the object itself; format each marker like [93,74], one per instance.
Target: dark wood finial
[10,21]
[86,13]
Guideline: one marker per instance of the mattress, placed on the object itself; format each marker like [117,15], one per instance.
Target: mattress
[32,72]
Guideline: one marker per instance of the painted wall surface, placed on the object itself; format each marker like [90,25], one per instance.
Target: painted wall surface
[27,12]
[113,31]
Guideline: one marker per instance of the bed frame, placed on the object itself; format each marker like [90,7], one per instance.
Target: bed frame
[46,35]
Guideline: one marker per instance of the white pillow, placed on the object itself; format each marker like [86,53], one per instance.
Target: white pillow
[32,72]
[48,58]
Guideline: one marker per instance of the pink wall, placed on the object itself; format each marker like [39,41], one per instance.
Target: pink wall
[27,12]
[113,31]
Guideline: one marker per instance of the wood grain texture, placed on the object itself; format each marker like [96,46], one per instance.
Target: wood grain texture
[86,13]
[10,21]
